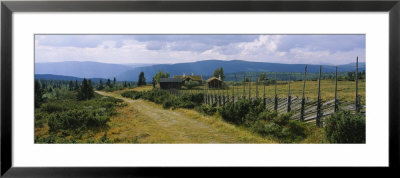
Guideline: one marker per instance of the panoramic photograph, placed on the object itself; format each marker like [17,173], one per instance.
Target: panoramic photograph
[200,89]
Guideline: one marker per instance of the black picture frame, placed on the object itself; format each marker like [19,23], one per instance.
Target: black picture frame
[8,7]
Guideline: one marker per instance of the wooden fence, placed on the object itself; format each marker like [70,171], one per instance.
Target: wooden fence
[303,108]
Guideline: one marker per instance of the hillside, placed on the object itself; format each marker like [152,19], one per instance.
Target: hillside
[63,77]
[130,72]
[81,69]
[207,67]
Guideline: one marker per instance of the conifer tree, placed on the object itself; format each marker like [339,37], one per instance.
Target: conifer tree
[100,85]
[219,72]
[109,83]
[38,94]
[71,86]
[86,90]
[142,79]
[76,85]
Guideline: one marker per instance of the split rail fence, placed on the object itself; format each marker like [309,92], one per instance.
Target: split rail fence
[303,108]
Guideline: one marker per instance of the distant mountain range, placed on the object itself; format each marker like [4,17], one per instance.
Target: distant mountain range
[205,68]
[63,77]
[81,69]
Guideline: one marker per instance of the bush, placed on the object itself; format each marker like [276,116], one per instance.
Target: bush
[207,109]
[344,127]
[241,111]
[53,107]
[253,115]
[190,84]
[280,127]
[69,119]
[78,120]
[166,99]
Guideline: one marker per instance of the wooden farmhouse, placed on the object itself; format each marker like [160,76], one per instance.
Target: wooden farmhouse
[214,82]
[170,83]
[184,78]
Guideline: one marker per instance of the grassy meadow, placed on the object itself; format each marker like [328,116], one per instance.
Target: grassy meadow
[346,90]
[109,117]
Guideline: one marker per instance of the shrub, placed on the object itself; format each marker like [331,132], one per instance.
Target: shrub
[242,110]
[53,107]
[190,84]
[207,109]
[280,127]
[166,99]
[78,120]
[168,103]
[69,119]
[344,127]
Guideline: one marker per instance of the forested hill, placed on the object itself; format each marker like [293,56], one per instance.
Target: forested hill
[206,68]
[81,69]
[63,77]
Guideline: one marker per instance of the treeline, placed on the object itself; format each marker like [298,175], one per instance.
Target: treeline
[293,76]
[114,85]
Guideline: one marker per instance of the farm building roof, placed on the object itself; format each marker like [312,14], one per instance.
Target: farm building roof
[212,78]
[170,80]
[193,77]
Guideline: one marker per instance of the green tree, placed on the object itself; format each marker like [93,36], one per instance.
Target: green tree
[100,85]
[71,85]
[109,83]
[262,77]
[142,79]
[76,85]
[161,74]
[219,72]
[154,82]
[86,90]
[351,76]
[115,82]
[38,94]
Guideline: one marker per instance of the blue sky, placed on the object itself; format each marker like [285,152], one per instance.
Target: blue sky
[291,49]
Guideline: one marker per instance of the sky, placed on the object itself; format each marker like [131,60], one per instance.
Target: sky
[163,49]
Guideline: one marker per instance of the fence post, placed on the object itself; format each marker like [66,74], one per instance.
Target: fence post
[250,88]
[213,94]
[303,99]
[225,97]
[357,97]
[276,96]
[219,97]
[233,91]
[336,100]
[319,114]
[256,88]
[264,99]
[237,89]
[289,96]
[244,87]
[205,95]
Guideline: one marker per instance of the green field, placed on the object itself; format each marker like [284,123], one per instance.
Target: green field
[346,90]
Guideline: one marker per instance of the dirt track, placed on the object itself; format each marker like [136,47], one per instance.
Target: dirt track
[145,122]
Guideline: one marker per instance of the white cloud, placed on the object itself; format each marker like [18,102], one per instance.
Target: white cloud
[265,48]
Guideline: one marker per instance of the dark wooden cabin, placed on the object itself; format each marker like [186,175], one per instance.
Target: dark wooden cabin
[214,82]
[170,83]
